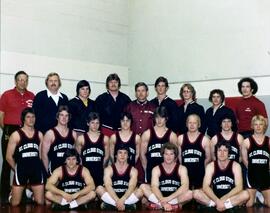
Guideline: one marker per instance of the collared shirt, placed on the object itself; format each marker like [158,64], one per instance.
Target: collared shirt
[12,103]
[110,109]
[142,114]
[55,97]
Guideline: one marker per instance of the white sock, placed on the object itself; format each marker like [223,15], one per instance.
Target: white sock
[173,201]
[28,193]
[228,204]
[131,199]
[63,202]
[152,198]
[73,204]
[211,203]
[108,199]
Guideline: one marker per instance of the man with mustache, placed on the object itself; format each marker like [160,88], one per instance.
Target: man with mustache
[47,102]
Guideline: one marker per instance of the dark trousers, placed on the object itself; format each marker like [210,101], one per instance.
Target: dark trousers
[6,169]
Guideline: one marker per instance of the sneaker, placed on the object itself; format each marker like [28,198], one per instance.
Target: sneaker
[259,197]
[153,206]
[106,206]
[130,207]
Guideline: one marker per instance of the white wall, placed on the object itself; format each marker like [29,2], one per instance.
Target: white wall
[192,40]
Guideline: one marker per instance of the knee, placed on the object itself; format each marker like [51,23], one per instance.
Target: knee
[48,195]
[100,190]
[245,195]
[196,194]
[143,187]
[189,195]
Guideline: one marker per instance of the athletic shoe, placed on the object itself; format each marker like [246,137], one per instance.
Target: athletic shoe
[130,207]
[106,206]
[153,206]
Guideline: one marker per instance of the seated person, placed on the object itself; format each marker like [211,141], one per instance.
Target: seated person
[169,184]
[70,184]
[120,180]
[223,182]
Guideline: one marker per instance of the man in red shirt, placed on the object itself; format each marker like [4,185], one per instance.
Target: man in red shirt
[248,106]
[12,103]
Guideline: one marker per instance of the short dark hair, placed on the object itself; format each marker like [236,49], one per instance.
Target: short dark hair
[25,112]
[162,79]
[230,117]
[217,91]
[126,114]
[191,88]
[21,72]
[80,84]
[222,143]
[253,85]
[141,84]
[170,146]
[63,108]
[92,116]
[121,147]
[111,77]
[72,153]
[161,111]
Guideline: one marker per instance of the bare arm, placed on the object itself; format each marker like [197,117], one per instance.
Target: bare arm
[40,135]
[155,183]
[206,146]
[173,138]
[213,143]
[89,182]
[179,145]
[112,146]
[143,149]
[238,180]
[240,142]
[79,144]
[12,143]
[108,172]
[106,143]
[46,144]
[138,144]
[2,114]
[131,184]
[209,171]
[244,151]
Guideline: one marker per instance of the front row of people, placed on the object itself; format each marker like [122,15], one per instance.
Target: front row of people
[169,187]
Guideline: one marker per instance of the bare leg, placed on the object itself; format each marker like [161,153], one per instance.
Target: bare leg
[266,195]
[201,197]
[38,191]
[146,189]
[185,197]
[54,198]
[86,198]
[17,192]
[251,200]
[240,198]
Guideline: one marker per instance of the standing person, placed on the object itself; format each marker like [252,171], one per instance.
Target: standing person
[195,151]
[169,183]
[126,137]
[94,149]
[248,106]
[71,184]
[190,106]
[80,107]
[255,154]
[57,140]
[223,182]
[12,103]
[47,102]
[120,181]
[23,156]
[110,104]
[161,87]
[217,111]
[227,134]
[152,141]
[141,109]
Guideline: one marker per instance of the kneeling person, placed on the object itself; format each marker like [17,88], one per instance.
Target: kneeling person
[169,184]
[223,183]
[70,184]
[120,180]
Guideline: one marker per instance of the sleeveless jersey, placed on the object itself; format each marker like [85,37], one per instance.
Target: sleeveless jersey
[234,153]
[169,182]
[223,179]
[58,148]
[131,144]
[193,156]
[258,164]
[92,155]
[71,183]
[120,181]
[153,154]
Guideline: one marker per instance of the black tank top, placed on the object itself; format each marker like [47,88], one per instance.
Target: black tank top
[258,160]
[223,179]
[27,150]
[154,157]
[169,182]
[131,144]
[92,155]
[120,181]
[234,153]
[71,183]
[58,148]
